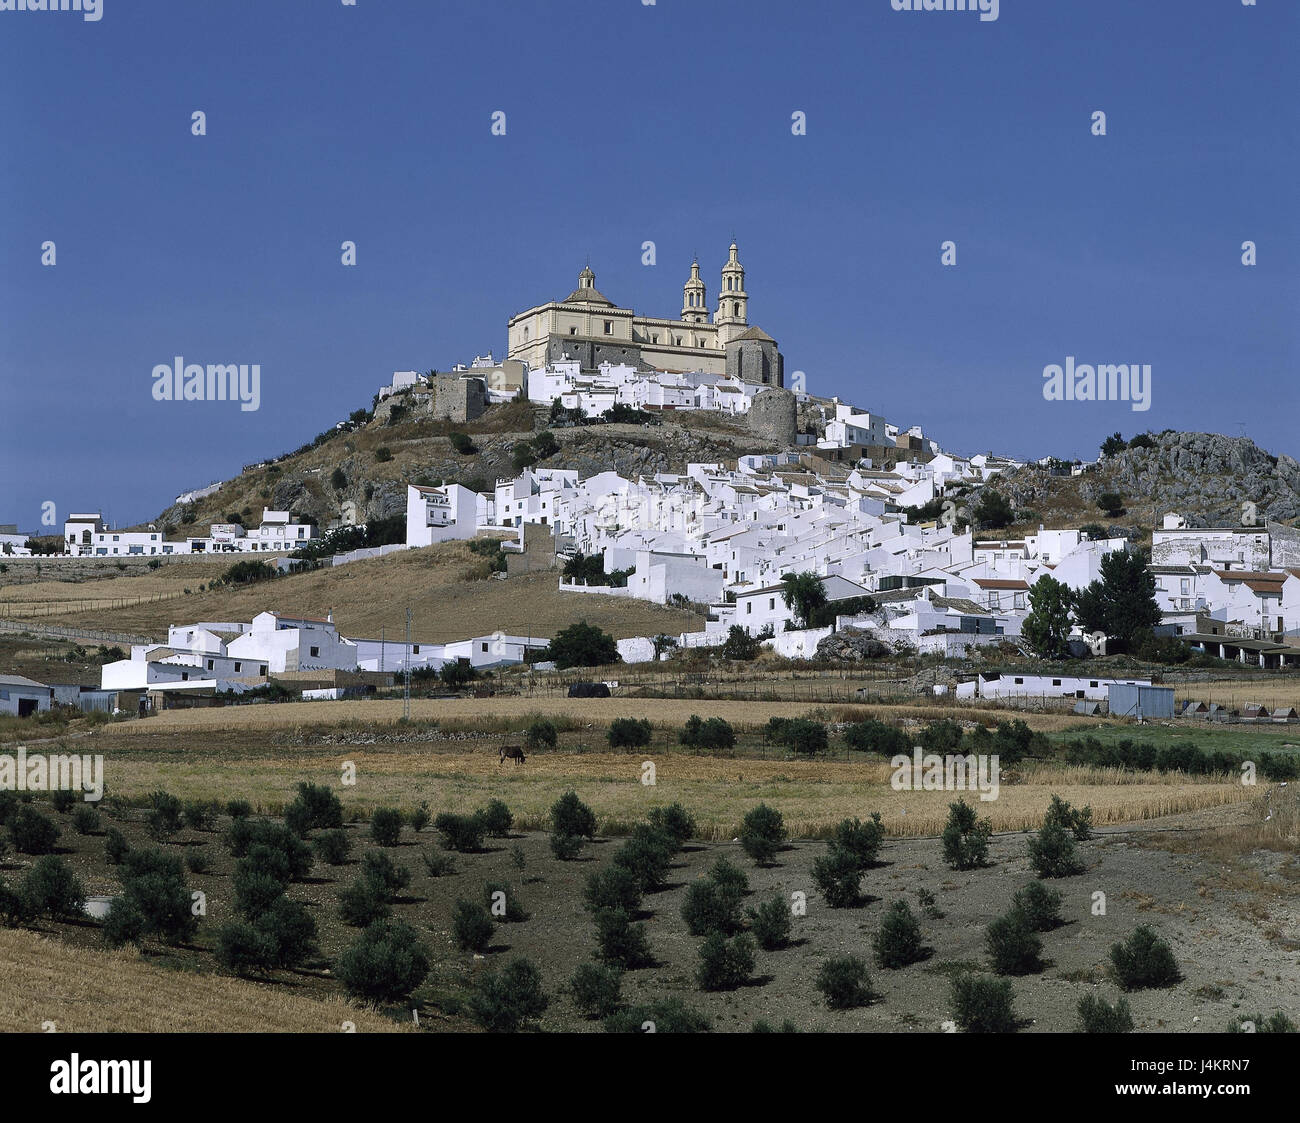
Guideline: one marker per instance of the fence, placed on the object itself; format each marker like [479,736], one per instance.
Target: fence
[38,608]
[54,631]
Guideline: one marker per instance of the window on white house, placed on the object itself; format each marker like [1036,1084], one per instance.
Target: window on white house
[237,667]
[315,652]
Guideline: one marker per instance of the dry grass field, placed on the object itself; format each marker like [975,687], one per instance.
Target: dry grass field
[454,770]
[446,586]
[88,990]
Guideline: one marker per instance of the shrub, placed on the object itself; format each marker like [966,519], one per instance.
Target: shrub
[496,819]
[620,941]
[566,847]
[1040,906]
[613,887]
[198,861]
[838,876]
[764,1026]
[860,839]
[983,1004]
[244,834]
[506,1000]
[596,989]
[385,964]
[541,734]
[898,940]
[1096,1015]
[255,890]
[242,948]
[383,454]
[675,821]
[1014,947]
[463,833]
[437,864]
[729,876]
[50,888]
[762,833]
[61,799]
[471,925]
[502,902]
[629,733]
[31,832]
[804,737]
[165,817]
[85,819]
[362,903]
[197,815]
[419,818]
[124,923]
[666,1015]
[385,825]
[115,846]
[1144,960]
[965,837]
[942,736]
[155,900]
[333,847]
[770,923]
[239,808]
[725,963]
[569,815]
[877,737]
[1051,852]
[740,645]
[315,806]
[844,982]
[1070,818]
[384,874]
[715,733]
[647,855]
[709,907]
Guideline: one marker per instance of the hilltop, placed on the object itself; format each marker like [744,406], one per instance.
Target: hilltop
[377,458]
[368,461]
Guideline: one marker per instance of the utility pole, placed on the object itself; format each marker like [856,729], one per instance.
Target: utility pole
[406,666]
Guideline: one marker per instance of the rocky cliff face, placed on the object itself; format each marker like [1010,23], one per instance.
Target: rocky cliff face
[1205,477]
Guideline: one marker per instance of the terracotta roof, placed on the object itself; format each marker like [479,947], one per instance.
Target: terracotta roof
[1000,583]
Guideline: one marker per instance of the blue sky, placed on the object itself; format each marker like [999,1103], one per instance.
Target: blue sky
[628,122]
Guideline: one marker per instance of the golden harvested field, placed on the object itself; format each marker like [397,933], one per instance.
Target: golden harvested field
[87,990]
[446,587]
[596,711]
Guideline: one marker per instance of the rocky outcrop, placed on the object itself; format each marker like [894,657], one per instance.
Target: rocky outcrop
[850,644]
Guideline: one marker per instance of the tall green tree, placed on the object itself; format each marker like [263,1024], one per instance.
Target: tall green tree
[803,594]
[1123,602]
[1047,627]
[582,645]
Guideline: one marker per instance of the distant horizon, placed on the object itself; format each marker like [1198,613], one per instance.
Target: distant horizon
[843,146]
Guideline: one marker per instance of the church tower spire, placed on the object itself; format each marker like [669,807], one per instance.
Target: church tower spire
[695,309]
[732,315]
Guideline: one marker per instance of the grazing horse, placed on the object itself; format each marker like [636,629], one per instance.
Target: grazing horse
[514,752]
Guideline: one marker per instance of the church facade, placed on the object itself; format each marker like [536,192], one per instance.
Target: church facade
[588,327]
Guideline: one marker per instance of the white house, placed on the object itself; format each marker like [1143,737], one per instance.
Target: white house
[438,514]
